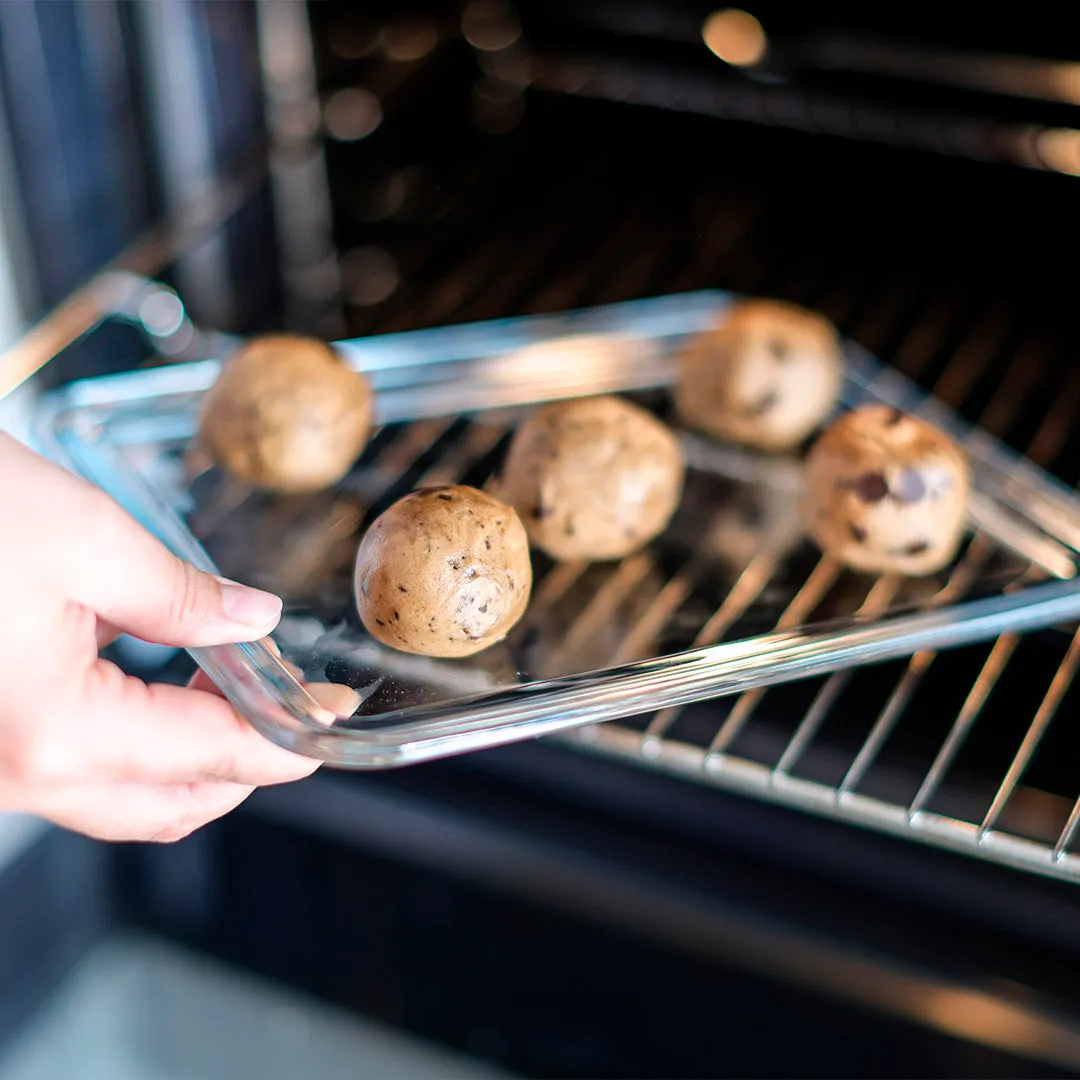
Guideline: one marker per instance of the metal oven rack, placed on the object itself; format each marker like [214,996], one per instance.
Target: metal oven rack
[735,743]
[945,322]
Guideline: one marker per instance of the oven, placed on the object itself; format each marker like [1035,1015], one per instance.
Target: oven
[870,873]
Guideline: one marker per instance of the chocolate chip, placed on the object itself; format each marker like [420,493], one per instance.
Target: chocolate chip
[779,348]
[870,487]
[910,487]
[401,588]
[857,533]
[917,547]
[540,512]
[379,622]
[397,617]
[764,405]
[894,418]
[482,609]
[487,544]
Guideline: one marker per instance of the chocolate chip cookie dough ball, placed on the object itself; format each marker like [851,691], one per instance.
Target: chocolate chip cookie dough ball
[886,493]
[767,375]
[445,571]
[593,478]
[286,414]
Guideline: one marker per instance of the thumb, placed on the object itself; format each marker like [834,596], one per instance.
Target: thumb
[134,582]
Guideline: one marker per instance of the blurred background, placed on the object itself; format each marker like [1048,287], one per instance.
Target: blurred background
[354,168]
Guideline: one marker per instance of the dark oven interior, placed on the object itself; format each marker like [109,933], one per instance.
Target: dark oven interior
[567,912]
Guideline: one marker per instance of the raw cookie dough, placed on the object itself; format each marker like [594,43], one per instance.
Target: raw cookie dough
[767,375]
[286,414]
[593,478]
[886,493]
[445,571]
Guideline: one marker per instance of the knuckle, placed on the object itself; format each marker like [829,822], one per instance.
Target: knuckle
[184,605]
[224,766]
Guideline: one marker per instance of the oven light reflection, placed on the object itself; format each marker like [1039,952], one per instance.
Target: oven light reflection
[985,1019]
[1059,150]
[594,359]
[735,36]
[351,114]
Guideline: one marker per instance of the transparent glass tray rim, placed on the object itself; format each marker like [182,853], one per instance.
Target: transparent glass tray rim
[86,424]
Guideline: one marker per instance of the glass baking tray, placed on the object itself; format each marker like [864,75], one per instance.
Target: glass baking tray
[730,598]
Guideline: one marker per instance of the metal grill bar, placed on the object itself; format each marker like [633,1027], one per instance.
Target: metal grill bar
[959,582]
[1061,848]
[877,601]
[745,591]
[1062,680]
[969,713]
[813,591]
[630,573]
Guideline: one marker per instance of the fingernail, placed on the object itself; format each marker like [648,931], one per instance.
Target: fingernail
[335,698]
[247,606]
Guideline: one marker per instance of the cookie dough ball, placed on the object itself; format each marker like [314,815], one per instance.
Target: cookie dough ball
[287,414]
[886,493]
[593,478]
[767,375]
[443,572]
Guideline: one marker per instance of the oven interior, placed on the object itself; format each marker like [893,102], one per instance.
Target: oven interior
[591,906]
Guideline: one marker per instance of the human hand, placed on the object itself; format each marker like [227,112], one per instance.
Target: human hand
[81,743]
